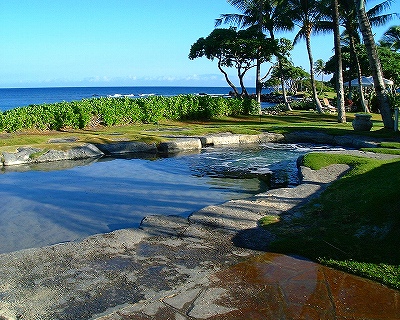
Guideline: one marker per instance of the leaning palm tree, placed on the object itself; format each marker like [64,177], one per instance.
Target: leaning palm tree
[305,14]
[375,65]
[267,15]
[391,38]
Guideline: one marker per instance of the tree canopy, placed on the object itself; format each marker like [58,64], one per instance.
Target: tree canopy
[390,62]
[232,48]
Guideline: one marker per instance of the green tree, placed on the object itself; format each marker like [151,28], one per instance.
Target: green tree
[390,63]
[306,13]
[375,65]
[239,49]
[266,15]
[319,67]
[391,38]
[292,75]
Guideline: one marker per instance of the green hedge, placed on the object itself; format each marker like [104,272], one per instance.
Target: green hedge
[123,110]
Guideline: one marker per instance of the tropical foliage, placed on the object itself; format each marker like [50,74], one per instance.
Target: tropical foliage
[121,111]
[292,76]
[241,49]
[317,16]
[391,38]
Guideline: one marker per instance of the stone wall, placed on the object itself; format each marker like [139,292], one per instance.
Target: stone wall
[30,155]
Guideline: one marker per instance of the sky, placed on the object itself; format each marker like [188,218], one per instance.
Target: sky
[50,43]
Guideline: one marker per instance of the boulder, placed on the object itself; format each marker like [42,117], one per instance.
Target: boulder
[28,155]
[123,147]
[180,144]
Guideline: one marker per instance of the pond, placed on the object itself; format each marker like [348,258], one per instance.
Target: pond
[69,200]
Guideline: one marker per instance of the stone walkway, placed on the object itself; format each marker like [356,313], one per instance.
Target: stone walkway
[210,266]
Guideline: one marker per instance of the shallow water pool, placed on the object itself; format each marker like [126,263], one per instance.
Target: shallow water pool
[64,201]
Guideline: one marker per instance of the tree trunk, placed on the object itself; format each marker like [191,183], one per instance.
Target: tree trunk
[359,75]
[228,80]
[322,83]
[258,81]
[314,90]
[241,76]
[339,67]
[258,67]
[375,65]
[285,99]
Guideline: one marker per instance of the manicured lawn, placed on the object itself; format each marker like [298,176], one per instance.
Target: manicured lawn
[286,122]
[354,225]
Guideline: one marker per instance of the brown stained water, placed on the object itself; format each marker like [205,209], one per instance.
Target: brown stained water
[274,286]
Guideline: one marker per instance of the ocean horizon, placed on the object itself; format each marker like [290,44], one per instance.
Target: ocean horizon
[11,98]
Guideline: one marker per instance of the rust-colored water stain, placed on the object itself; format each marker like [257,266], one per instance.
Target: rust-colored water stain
[274,286]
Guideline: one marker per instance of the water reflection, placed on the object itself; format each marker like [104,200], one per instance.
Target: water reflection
[66,200]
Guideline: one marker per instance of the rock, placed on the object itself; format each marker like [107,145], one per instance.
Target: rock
[22,156]
[34,155]
[180,144]
[127,147]
[271,137]
[221,139]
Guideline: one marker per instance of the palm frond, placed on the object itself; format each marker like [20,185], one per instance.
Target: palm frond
[299,36]
[379,8]
[382,19]
[239,20]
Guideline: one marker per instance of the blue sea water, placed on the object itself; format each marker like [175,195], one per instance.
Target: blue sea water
[20,97]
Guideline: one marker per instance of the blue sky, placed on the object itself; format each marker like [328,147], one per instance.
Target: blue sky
[118,42]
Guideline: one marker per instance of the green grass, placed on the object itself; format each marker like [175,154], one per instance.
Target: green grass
[354,225]
[283,123]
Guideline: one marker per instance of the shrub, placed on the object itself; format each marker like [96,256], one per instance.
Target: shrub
[305,104]
[122,110]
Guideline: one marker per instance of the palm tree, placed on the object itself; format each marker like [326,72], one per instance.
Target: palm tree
[339,67]
[268,15]
[305,14]
[391,38]
[319,66]
[375,64]
[349,20]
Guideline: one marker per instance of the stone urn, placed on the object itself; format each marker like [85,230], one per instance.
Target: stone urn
[362,122]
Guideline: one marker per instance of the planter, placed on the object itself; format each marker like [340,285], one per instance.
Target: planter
[362,122]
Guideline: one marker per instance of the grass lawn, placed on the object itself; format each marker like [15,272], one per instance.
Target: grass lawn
[354,225]
[286,122]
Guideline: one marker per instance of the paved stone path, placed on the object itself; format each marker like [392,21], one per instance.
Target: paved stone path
[209,266]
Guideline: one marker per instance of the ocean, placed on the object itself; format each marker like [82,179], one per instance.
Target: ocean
[20,97]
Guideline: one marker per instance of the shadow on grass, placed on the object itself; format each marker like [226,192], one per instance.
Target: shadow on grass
[355,218]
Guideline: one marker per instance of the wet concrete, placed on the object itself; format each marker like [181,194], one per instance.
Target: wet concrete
[209,266]
[274,286]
